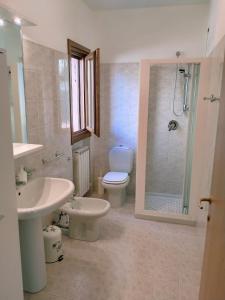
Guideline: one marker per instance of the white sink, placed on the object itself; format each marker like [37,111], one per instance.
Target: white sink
[37,198]
[21,149]
[41,196]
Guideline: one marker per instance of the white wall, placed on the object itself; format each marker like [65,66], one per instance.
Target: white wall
[56,21]
[157,32]
[123,35]
[216,23]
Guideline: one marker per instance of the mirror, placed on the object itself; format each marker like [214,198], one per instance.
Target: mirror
[11,42]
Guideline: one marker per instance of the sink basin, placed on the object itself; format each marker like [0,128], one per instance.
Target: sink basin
[37,198]
[41,196]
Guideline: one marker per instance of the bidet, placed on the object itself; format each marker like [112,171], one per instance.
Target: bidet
[84,217]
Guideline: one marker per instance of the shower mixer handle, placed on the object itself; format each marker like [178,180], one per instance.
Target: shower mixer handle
[172,125]
[212,98]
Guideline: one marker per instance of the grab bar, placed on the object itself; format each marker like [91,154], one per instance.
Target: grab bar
[186,86]
[57,156]
[187,77]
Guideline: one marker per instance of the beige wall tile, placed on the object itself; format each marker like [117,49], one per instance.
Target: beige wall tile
[47,105]
[166,151]
[119,109]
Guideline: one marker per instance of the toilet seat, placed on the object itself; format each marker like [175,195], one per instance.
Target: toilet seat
[115,178]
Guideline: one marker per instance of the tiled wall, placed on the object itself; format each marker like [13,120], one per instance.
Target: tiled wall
[166,151]
[47,104]
[119,112]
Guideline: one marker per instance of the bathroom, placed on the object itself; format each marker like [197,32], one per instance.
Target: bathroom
[108,123]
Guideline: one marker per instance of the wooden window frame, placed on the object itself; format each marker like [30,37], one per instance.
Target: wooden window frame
[78,51]
[95,56]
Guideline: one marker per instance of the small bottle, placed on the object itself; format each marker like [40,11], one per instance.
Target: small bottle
[22,175]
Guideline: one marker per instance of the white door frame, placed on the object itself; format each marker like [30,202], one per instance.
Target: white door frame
[198,151]
[10,263]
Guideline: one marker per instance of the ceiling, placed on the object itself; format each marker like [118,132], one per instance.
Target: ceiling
[126,4]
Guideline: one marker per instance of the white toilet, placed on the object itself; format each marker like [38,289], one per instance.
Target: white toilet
[115,182]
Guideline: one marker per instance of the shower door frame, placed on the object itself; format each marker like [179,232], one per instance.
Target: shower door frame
[198,151]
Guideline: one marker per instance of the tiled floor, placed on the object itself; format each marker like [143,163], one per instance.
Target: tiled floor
[164,203]
[133,260]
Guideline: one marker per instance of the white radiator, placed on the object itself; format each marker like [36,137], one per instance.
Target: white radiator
[81,170]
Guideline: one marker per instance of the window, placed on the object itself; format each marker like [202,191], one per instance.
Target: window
[84,91]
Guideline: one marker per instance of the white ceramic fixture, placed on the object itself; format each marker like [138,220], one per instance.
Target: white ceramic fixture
[20,149]
[115,182]
[38,198]
[84,214]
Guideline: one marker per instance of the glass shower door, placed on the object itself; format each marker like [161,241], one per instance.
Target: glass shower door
[190,139]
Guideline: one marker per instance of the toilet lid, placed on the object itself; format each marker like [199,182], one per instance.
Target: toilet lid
[115,177]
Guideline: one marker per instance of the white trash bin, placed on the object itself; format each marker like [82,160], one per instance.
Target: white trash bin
[53,244]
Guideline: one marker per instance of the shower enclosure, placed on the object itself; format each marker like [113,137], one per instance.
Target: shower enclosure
[168,129]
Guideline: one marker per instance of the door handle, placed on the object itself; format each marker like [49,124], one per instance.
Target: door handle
[1,217]
[208,200]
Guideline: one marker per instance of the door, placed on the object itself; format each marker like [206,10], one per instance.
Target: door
[10,266]
[213,272]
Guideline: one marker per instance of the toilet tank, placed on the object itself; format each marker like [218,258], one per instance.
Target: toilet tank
[121,159]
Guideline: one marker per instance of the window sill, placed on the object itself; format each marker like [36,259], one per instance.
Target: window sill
[79,135]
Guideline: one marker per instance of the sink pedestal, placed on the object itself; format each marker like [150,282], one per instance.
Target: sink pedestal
[38,198]
[32,255]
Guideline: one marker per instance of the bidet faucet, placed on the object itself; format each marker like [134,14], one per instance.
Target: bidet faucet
[73,201]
